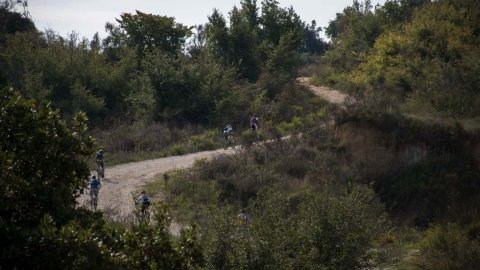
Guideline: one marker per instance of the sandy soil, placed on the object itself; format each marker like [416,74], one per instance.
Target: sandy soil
[330,95]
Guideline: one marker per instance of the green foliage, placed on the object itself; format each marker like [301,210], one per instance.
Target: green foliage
[147,32]
[12,21]
[133,143]
[450,247]
[90,243]
[419,56]
[317,230]
[43,171]
[208,140]
[353,33]
[205,141]
[141,100]
[152,247]
[70,246]
[189,90]
[65,73]
[83,100]
[440,187]
[41,161]
[273,36]
[141,74]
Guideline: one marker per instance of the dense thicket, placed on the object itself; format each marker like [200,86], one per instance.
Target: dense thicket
[146,71]
[421,56]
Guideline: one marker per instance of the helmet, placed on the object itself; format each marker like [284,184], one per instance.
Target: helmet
[94,177]
[101,151]
[256,115]
[143,192]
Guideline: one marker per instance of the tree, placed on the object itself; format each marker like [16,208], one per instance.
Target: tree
[146,32]
[243,40]
[42,165]
[312,42]
[12,22]
[41,161]
[277,21]
[217,34]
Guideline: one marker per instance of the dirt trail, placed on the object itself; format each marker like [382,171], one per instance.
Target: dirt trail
[332,96]
[122,180]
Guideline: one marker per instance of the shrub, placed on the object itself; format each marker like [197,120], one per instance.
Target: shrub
[449,247]
[248,138]
[337,230]
[308,231]
[178,149]
[126,143]
[208,140]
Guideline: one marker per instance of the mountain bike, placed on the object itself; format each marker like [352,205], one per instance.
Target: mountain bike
[100,170]
[93,199]
[255,133]
[141,212]
[229,141]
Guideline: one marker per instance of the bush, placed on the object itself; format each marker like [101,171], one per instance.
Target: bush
[449,247]
[307,231]
[248,137]
[208,140]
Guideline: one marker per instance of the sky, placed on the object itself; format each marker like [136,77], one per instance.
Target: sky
[86,17]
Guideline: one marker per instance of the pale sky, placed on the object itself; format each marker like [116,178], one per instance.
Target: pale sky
[89,16]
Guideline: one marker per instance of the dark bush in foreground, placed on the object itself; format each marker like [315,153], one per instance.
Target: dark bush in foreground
[307,231]
[450,247]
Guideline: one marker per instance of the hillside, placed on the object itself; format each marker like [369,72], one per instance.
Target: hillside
[367,154]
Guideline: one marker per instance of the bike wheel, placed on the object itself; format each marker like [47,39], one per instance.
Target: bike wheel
[93,202]
[147,216]
[225,145]
[232,143]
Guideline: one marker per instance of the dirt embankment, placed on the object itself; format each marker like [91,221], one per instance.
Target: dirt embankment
[387,142]
[378,145]
[376,151]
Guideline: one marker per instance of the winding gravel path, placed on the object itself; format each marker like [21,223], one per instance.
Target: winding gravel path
[122,180]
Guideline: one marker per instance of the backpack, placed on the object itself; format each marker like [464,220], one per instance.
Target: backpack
[146,201]
[95,183]
[99,156]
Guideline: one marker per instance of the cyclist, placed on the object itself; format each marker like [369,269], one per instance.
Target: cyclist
[227,131]
[243,217]
[94,186]
[144,200]
[254,123]
[99,158]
